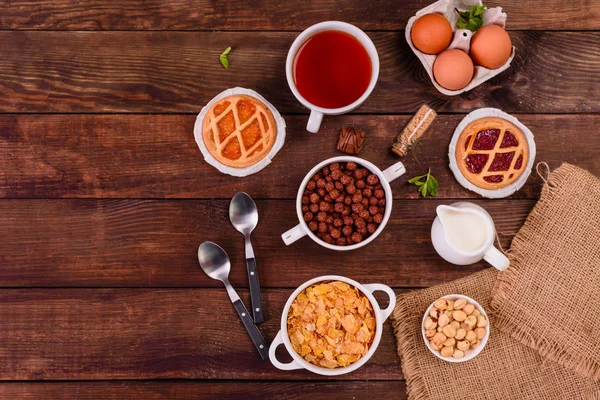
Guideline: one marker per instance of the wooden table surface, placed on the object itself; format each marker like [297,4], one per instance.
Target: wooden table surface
[106,197]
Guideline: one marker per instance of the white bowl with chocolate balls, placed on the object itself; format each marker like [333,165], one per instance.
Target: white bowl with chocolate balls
[344,203]
[455,328]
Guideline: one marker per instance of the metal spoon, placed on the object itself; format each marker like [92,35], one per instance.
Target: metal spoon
[215,263]
[244,217]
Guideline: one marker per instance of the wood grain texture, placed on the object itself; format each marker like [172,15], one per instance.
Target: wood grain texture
[120,243]
[267,14]
[200,390]
[155,156]
[106,334]
[179,72]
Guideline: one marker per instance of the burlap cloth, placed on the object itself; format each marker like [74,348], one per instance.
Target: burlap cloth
[506,368]
[549,298]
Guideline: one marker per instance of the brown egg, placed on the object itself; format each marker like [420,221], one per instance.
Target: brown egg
[431,33]
[453,69]
[490,46]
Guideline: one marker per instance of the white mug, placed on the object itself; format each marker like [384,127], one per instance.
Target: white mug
[316,112]
[443,244]
[385,177]
[299,362]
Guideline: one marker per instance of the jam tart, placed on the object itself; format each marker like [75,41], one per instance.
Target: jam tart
[492,153]
[239,131]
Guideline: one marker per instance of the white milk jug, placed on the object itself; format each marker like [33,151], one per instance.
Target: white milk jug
[463,233]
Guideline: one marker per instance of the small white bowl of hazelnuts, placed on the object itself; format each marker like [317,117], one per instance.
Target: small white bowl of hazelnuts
[455,328]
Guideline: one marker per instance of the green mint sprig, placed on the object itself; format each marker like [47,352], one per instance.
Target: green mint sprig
[471,20]
[429,185]
[223,57]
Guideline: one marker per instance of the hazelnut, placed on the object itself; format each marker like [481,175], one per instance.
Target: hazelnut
[439,338]
[451,342]
[449,331]
[447,351]
[481,321]
[471,336]
[469,308]
[458,354]
[429,323]
[462,345]
[441,304]
[459,315]
[459,303]
[443,320]
[480,332]
[471,321]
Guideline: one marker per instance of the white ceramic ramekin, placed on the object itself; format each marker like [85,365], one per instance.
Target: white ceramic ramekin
[298,362]
[316,112]
[471,353]
[385,177]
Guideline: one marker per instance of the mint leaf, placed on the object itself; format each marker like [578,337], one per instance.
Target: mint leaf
[432,185]
[223,57]
[472,19]
[425,184]
[416,178]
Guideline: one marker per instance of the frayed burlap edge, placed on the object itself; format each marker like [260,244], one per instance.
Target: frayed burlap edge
[415,384]
[506,279]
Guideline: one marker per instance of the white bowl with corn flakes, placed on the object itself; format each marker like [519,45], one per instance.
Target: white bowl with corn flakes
[331,325]
[455,328]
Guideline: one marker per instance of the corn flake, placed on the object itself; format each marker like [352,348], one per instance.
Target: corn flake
[331,324]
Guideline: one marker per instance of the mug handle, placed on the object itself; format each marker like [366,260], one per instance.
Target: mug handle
[278,364]
[293,234]
[496,258]
[394,172]
[374,287]
[314,121]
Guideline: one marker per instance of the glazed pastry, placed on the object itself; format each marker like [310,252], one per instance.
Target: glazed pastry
[492,153]
[239,131]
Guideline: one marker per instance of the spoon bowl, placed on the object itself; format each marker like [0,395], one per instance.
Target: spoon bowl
[243,213]
[214,261]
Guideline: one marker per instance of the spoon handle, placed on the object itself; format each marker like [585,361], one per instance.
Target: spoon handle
[255,298]
[255,335]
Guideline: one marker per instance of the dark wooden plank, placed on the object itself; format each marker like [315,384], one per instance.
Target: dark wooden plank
[106,334]
[120,243]
[157,390]
[267,14]
[179,72]
[155,156]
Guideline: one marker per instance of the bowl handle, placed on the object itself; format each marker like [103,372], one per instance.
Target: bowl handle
[293,234]
[394,172]
[373,287]
[283,366]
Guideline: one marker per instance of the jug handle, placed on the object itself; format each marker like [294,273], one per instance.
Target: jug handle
[496,258]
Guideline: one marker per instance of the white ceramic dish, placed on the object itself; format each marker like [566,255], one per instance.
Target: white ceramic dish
[505,191]
[300,363]
[385,177]
[316,112]
[461,40]
[471,353]
[252,169]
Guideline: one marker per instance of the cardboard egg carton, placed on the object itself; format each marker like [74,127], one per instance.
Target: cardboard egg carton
[461,39]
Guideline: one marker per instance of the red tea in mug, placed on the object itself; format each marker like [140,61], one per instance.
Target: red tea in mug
[332,69]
